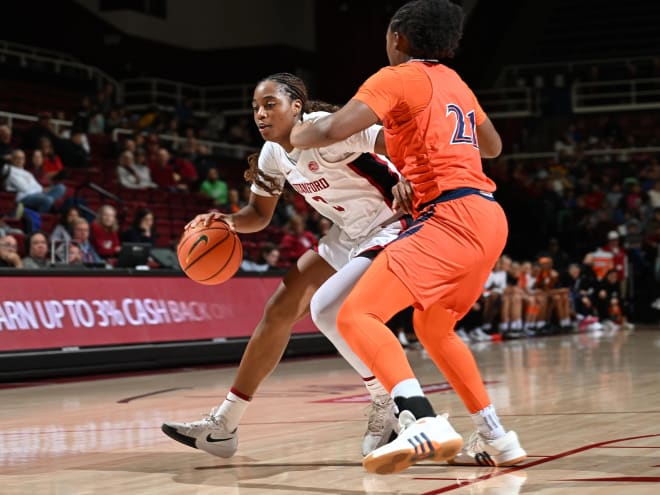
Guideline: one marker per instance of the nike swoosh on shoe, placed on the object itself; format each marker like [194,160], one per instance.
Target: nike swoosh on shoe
[210,439]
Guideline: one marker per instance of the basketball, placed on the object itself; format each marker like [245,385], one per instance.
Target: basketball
[210,255]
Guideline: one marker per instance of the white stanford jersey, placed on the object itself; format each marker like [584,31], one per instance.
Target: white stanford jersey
[345,182]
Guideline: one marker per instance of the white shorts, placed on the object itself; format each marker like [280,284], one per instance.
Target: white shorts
[338,249]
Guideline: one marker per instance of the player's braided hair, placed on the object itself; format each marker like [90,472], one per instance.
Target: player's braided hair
[294,87]
[433,27]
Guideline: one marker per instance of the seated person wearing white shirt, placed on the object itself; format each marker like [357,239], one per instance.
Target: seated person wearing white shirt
[28,190]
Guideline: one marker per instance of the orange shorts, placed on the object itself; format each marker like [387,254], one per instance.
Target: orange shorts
[446,255]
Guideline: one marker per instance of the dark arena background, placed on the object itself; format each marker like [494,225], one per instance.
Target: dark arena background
[140,111]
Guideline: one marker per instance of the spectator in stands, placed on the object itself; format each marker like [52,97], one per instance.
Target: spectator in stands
[163,174]
[233,201]
[5,143]
[186,173]
[72,151]
[83,114]
[297,240]
[203,160]
[268,259]
[36,246]
[215,188]
[105,232]
[618,257]
[28,190]
[651,242]
[9,257]
[654,195]
[493,290]
[609,302]
[37,168]
[116,119]
[81,235]
[42,129]
[142,229]
[140,157]
[582,288]
[97,123]
[53,167]
[133,175]
[74,256]
[632,246]
[63,230]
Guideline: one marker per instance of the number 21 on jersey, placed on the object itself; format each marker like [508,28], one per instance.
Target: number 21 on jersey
[465,129]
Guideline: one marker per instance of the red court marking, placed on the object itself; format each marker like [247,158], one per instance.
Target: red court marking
[462,484]
[634,479]
[631,447]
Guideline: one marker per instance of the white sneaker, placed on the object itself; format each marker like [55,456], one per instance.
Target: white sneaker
[610,328]
[426,438]
[209,434]
[478,335]
[382,423]
[504,451]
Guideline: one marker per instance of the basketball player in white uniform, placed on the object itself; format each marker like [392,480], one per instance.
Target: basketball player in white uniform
[352,187]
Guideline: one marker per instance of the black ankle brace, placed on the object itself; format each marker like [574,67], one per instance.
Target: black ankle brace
[419,406]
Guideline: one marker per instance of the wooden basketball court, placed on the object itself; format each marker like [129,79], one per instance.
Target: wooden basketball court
[586,409]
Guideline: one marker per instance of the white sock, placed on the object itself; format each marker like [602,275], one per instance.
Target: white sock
[232,410]
[407,388]
[516,324]
[488,424]
[374,387]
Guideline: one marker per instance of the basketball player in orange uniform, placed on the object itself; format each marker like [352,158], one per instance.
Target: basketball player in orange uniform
[552,297]
[434,128]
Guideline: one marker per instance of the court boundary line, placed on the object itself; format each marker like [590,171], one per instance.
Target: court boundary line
[529,465]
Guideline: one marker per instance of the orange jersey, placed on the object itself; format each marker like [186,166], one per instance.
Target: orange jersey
[430,118]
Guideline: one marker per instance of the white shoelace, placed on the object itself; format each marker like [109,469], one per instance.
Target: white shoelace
[377,413]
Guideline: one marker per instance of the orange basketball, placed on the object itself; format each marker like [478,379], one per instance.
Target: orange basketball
[210,255]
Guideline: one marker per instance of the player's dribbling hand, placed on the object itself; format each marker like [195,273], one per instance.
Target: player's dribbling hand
[403,197]
[206,219]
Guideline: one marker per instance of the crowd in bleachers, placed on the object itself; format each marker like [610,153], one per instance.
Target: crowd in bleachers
[146,186]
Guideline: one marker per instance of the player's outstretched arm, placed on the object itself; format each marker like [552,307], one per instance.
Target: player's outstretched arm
[351,118]
[253,217]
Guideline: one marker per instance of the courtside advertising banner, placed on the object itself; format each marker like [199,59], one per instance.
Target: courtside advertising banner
[62,312]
